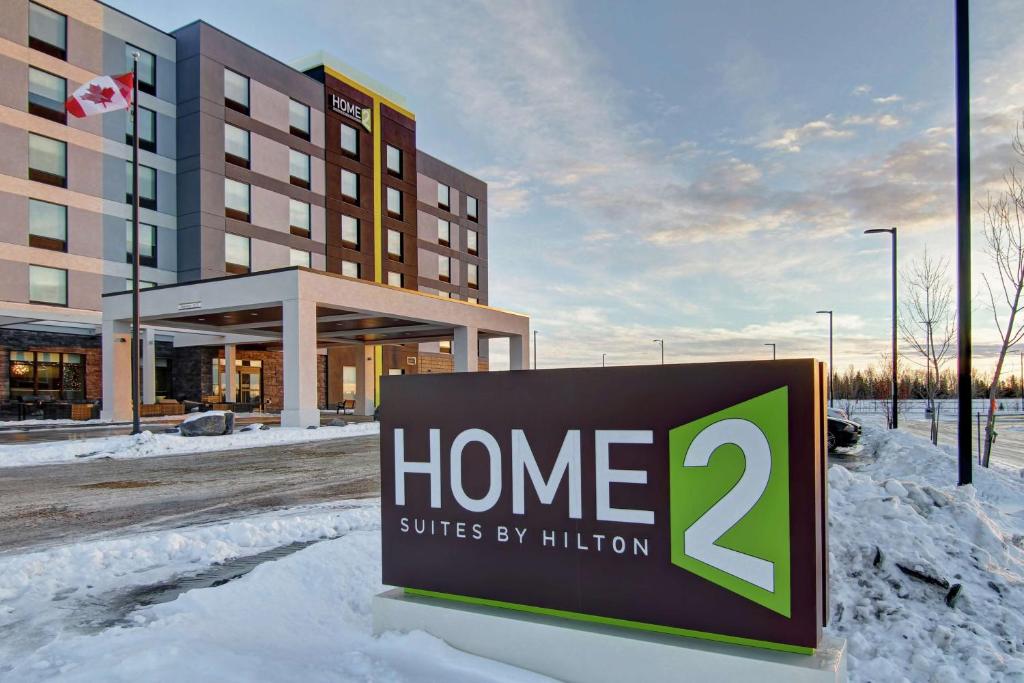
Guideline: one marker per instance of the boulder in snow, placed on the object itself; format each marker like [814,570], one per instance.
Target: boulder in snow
[212,423]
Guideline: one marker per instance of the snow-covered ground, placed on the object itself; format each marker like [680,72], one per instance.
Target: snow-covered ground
[148,444]
[306,616]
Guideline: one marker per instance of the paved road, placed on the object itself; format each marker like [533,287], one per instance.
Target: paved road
[1008,448]
[51,504]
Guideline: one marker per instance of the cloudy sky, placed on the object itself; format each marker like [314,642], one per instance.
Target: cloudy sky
[694,171]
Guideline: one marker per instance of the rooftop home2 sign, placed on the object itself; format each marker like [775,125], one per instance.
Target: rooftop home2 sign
[685,499]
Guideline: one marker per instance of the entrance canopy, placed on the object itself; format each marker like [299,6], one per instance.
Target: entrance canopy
[300,310]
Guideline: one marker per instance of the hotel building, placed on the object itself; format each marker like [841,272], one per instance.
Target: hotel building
[248,165]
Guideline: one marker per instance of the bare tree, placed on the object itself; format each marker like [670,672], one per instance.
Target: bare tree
[1004,243]
[926,321]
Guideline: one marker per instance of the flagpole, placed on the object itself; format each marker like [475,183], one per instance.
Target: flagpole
[136,427]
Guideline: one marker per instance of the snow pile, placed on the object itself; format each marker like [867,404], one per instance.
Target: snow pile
[148,444]
[86,574]
[902,536]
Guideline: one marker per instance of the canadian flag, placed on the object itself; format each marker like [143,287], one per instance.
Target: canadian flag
[100,95]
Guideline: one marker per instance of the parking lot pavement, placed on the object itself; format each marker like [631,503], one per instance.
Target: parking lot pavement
[1008,448]
[51,504]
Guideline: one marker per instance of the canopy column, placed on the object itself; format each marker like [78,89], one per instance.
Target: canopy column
[148,365]
[117,371]
[518,352]
[465,349]
[300,360]
[366,380]
[230,390]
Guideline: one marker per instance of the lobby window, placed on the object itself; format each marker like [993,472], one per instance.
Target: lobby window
[394,161]
[236,200]
[47,225]
[348,382]
[147,130]
[350,141]
[48,285]
[236,91]
[395,279]
[445,346]
[47,160]
[444,268]
[47,374]
[350,186]
[444,194]
[147,244]
[472,242]
[47,31]
[472,300]
[350,269]
[298,217]
[237,258]
[297,257]
[444,232]
[236,145]
[298,169]
[471,208]
[143,284]
[298,119]
[394,372]
[471,275]
[46,95]
[394,202]
[350,232]
[147,68]
[395,245]
[147,186]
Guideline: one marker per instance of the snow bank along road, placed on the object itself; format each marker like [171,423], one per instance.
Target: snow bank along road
[48,504]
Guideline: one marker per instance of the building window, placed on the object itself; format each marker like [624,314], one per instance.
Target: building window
[298,168]
[46,95]
[445,346]
[47,225]
[51,375]
[394,245]
[47,160]
[444,194]
[394,161]
[350,232]
[164,383]
[47,31]
[471,275]
[350,140]
[444,268]
[472,245]
[471,208]
[236,91]
[147,126]
[395,279]
[298,217]
[147,244]
[236,145]
[394,202]
[143,284]
[237,258]
[395,371]
[236,200]
[348,382]
[147,186]
[298,119]
[350,269]
[147,68]
[444,232]
[48,285]
[297,257]
[350,186]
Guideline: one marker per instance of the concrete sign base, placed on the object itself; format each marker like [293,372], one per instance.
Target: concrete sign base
[593,653]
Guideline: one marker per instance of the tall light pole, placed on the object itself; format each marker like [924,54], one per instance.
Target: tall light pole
[602,359]
[965,464]
[773,349]
[1020,389]
[831,369]
[662,342]
[535,349]
[895,380]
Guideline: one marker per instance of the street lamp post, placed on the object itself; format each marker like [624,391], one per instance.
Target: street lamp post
[535,349]
[773,349]
[602,359]
[1020,389]
[662,342]
[831,369]
[895,380]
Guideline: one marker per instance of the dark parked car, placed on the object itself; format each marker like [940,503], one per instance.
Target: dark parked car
[842,431]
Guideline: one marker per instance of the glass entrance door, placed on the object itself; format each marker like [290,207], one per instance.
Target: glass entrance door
[248,380]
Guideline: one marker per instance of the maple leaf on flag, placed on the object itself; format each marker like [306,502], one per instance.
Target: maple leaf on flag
[99,95]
